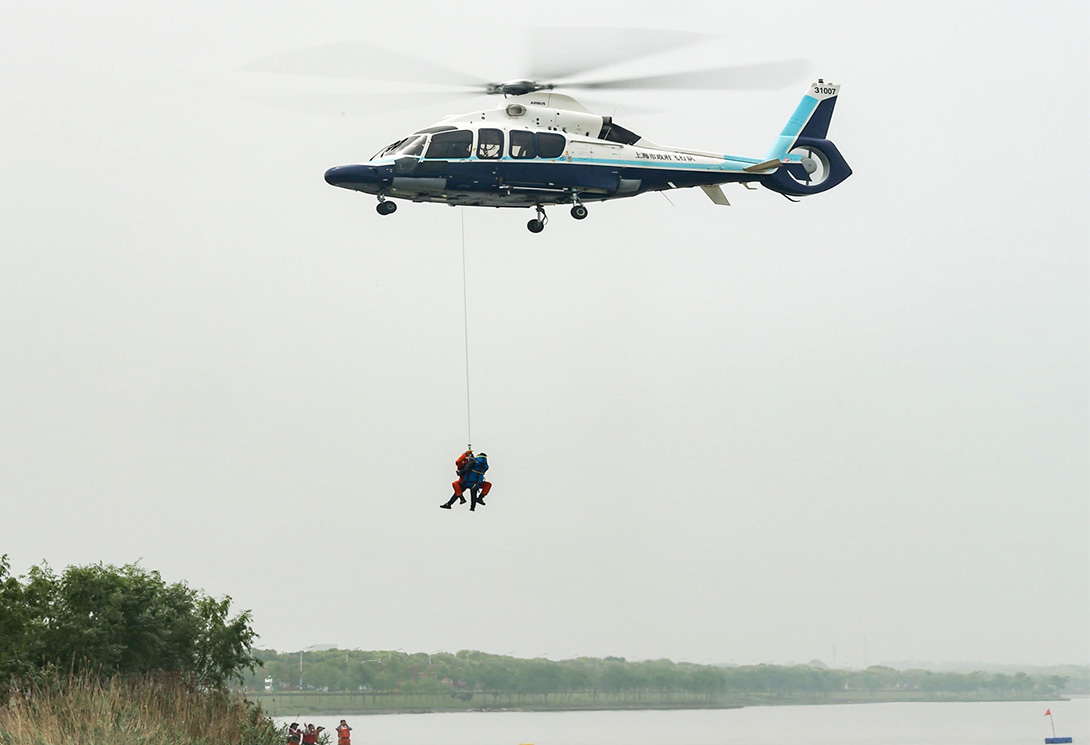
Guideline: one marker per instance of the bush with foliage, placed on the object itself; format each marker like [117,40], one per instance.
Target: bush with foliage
[109,620]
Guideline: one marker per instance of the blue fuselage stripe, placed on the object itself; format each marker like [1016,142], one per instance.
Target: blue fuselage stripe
[653,165]
[730,164]
[580,173]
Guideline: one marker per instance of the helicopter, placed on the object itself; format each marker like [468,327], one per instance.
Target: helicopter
[541,148]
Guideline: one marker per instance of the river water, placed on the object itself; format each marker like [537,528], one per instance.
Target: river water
[1002,723]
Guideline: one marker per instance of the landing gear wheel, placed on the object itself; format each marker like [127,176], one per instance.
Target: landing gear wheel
[386,208]
[578,212]
[537,225]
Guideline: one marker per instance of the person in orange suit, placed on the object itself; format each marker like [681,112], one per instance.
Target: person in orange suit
[464,464]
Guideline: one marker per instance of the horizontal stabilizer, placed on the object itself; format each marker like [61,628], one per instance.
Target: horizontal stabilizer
[715,193]
[768,165]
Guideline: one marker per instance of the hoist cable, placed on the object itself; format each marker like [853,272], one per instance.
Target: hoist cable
[465,318]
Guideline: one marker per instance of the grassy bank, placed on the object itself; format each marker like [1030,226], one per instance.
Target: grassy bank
[293,703]
[135,710]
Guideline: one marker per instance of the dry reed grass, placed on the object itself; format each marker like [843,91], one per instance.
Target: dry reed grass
[132,710]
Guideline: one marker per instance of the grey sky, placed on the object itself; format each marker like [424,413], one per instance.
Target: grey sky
[747,433]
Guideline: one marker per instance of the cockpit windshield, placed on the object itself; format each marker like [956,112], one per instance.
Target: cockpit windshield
[412,145]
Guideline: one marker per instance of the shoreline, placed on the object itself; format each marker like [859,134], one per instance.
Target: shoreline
[333,704]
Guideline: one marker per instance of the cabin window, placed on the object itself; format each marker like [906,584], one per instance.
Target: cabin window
[549,145]
[489,143]
[616,133]
[522,144]
[457,144]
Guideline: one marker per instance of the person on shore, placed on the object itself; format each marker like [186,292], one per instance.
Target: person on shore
[464,466]
[295,734]
[343,733]
[310,736]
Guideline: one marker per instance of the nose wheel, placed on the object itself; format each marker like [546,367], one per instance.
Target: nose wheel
[579,212]
[385,208]
[538,223]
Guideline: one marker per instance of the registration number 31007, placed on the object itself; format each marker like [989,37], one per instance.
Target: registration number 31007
[824,91]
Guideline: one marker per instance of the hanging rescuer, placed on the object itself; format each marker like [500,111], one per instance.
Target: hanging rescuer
[471,470]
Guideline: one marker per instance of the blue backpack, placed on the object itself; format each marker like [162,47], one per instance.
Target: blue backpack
[477,468]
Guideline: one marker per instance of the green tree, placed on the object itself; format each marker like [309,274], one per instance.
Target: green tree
[543,677]
[106,620]
[1000,682]
[1021,682]
[707,681]
[14,626]
[662,675]
[614,676]
[578,676]
[1057,682]
[496,678]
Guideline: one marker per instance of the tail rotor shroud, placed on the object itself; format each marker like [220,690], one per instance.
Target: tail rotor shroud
[811,169]
[814,166]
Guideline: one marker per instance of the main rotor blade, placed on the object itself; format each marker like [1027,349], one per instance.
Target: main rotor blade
[366,104]
[360,60]
[564,52]
[736,77]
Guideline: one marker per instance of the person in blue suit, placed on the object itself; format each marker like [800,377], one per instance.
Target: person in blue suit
[474,481]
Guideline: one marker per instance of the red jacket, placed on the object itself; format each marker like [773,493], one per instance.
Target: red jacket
[463,461]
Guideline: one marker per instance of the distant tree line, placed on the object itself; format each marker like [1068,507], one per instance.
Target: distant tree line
[101,620]
[468,673]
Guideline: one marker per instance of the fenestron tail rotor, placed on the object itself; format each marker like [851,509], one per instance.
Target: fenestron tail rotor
[811,169]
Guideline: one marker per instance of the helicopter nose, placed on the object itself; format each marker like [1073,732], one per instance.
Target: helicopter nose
[350,176]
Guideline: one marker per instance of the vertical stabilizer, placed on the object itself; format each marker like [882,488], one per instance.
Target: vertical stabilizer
[810,120]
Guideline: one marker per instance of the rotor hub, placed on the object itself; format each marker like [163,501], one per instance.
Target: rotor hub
[517,87]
